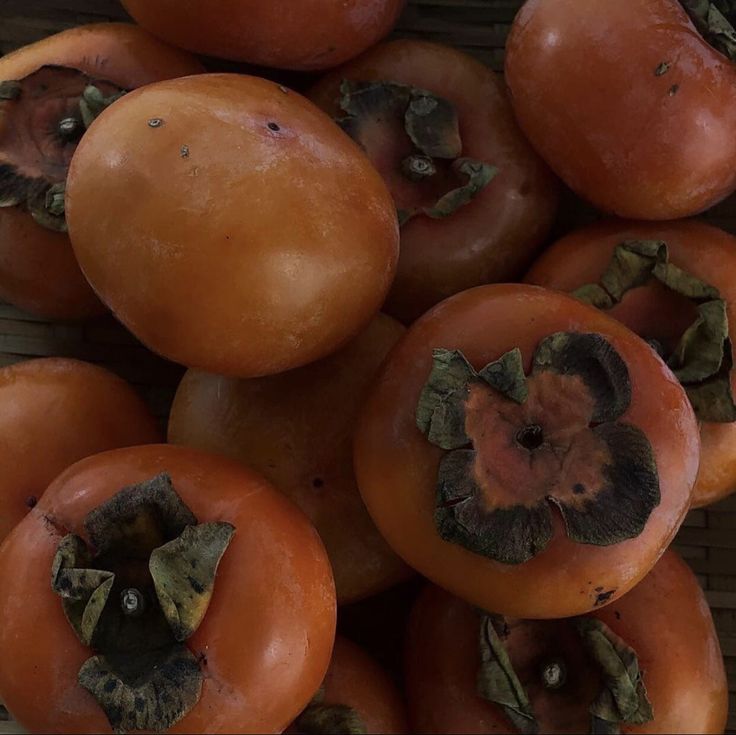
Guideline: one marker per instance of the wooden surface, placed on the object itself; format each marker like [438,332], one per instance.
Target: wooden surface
[708,540]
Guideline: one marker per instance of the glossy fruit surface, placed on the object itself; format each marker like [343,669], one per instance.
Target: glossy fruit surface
[265,641]
[665,619]
[627,102]
[445,523]
[296,429]
[311,34]
[656,312]
[496,234]
[257,237]
[38,270]
[55,412]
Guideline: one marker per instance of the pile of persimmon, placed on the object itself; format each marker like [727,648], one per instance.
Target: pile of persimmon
[403,490]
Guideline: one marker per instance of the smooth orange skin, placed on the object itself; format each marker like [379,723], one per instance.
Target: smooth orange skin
[296,429]
[38,270]
[251,252]
[309,35]
[494,237]
[665,619]
[706,252]
[634,143]
[355,680]
[267,635]
[397,467]
[55,412]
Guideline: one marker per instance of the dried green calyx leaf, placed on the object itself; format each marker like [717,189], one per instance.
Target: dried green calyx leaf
[44,117]
[138,590]
[330,719]
[702,360]
[431,146]
[502,476]
[183,573]
[498,683]
[713,18]
[623,697]
[83,591]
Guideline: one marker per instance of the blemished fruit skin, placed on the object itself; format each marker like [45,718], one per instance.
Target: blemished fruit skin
[38,270]
[245,234]
[56,411]
[308,35]
[627,102]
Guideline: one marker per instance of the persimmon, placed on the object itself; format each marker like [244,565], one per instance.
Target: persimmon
[272,244]
[476,201]
[632,104]
[55,412]
[527,452]
[41,104]
[357,696]
[311,34]
[179,592]
[650,663]
[688,319]
[296,429]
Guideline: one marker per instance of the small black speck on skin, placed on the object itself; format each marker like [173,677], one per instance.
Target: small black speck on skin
[674,90]
[31,501]
[663,68]
[599,589]
[184,151]
[155,122]
[617,614]
[578,488]
[603,597]
[275,127]
[318,482]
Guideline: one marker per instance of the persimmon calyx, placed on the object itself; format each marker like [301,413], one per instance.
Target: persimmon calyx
[713,20]
[45,114]
[703,359]
[622,698]
[134,594]
[319,718]
[432,141]
[518,446]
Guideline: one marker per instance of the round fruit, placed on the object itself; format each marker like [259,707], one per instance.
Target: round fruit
[527,452]
[178,591]
[476,201]
[244,233]
[357,696]
[627,102]
[674,284]
[45,91]
[651,663]
[296,429]
[55,412]
[310,34]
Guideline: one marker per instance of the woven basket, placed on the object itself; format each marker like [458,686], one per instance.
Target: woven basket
[707,540]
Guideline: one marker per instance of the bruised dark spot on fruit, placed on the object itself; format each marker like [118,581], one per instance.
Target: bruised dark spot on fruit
[674,89]
[142,675]
[31,501]
[599,589]
[318,483]
[703,359]
[500,478]
[603,597]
